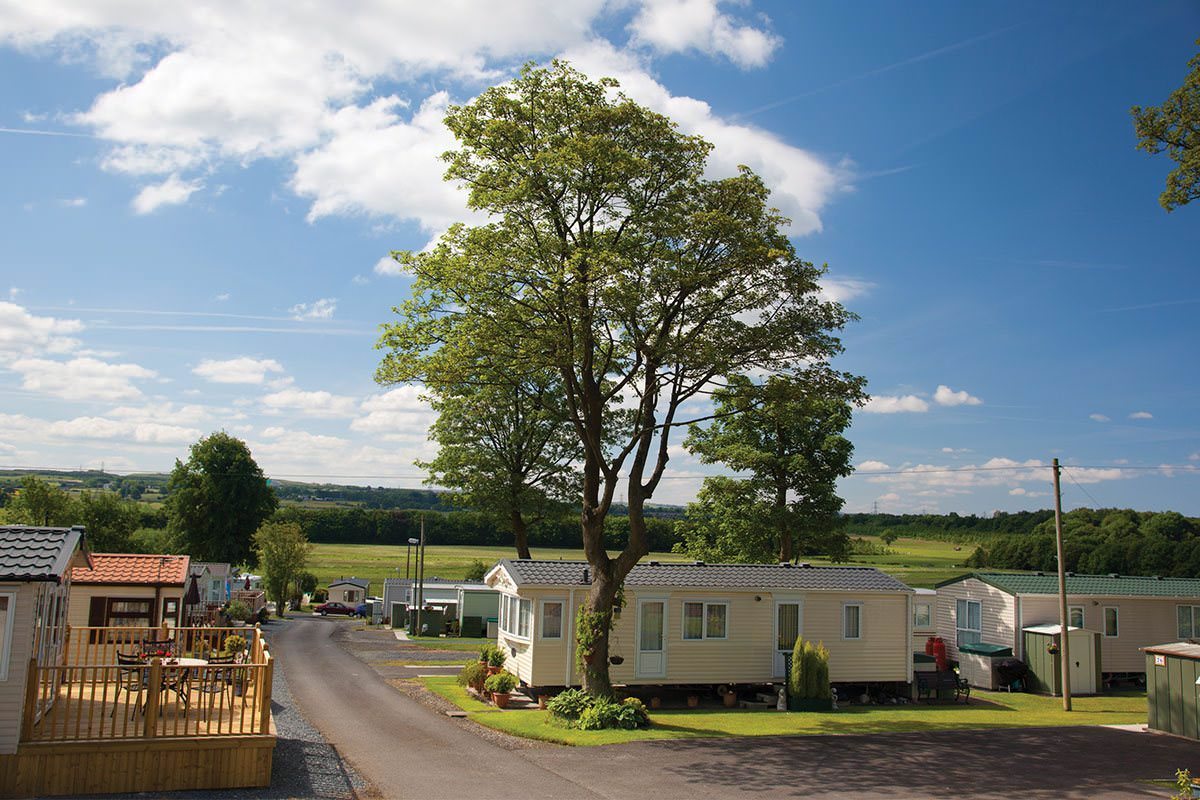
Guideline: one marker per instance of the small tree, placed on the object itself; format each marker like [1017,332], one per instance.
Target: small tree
[809,677]
[283,550]
[476,571]
[888,536]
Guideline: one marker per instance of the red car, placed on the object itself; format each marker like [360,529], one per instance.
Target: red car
[334,608]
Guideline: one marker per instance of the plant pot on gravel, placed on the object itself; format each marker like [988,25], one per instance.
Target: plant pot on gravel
[501,685]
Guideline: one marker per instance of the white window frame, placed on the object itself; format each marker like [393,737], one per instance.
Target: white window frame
[929,607]
[845,619]
[562,610]
[704,606]
[10,621]
[1116,620]
[1195,615]
[960,623]
[1082,616]
[515,610]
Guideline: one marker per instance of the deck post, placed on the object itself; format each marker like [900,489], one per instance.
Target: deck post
[265,677]
[31,699]
[153,697]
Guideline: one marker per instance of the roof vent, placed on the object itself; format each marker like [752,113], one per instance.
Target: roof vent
[1069,574]
[1158,577]
[785,563]
[654,563]
[586,577]
[1041,574]
[1114,574]
[806,565]
[698,564]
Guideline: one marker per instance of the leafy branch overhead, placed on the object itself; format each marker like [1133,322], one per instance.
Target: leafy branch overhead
[1174,128]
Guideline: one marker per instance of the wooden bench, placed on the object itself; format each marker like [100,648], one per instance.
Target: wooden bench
[931,685]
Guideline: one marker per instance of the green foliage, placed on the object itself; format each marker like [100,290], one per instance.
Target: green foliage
[472,674]
[569,705]
[109,520]
[476,571]
[40,503]
[496,657]
[1183,785]
[590,628]
[306,582]
[218,499]
[235,644]
[611,260]
[888,537]
[809,678]
[283,551]
[1174,127]
[238,610]
[502,682]
[864,547]
[787,433]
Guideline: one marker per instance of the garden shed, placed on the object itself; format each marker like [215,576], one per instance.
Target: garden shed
[1172,690]
[1042,647]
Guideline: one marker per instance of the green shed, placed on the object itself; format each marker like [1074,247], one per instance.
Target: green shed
[1172,693]
[1043,656]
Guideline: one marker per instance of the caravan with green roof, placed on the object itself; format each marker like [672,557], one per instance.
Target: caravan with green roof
[1128,611]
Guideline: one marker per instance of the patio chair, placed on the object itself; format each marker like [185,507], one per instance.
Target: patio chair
[165,646]
[215,682]
[131,677]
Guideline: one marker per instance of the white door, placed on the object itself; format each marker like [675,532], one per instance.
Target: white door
[651,657]
[1083,665]
[787,630]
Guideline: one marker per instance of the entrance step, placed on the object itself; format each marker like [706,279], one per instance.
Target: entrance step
[766,697]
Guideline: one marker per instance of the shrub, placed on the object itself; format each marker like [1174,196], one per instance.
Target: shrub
[497,657]
[320,596]
[809,678]
[239,611]
[569,705]
[235,644]
[476,571]
[473,674]
[501,682]
[635,710]
[485,652]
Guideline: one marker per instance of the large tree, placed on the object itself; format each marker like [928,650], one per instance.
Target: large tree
[218,499]
[1174,127]
[110,521]
[610,259]
[39,502]
[283,552]
[786,434]
[507,448]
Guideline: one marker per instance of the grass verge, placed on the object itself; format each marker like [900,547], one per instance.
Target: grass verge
[448,643]
[449,689]
[987,710]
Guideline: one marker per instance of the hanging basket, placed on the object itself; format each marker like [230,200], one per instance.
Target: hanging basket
[616,661]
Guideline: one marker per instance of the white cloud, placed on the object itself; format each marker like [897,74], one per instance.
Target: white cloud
[839,290]
[1098,418]
[360,280]
[22,333]
[955,450]
[237,370]
[945,396]
[871,466]
[171,192]
[388,266]
[1194,457]
[885,404]
[167,413]
[13,291]
[222,297]
[675,26]
[318,309]
[312,404]
[73,202]
[1141,415]
[399,413]
[81,379]
[19,427]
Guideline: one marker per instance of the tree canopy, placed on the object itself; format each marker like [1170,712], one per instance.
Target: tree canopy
[218,499]
[1174,128]
[283,552]
[610,259]
[507,448]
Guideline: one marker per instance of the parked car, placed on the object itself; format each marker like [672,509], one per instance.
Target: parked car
[362,610]
[334,608]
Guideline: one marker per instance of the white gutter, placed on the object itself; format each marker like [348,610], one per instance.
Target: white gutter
[909,631]
[569,613]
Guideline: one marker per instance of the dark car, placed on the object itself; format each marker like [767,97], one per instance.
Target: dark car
[334,608]
[362,610]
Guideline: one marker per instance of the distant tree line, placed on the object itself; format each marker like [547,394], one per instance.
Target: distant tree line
[946,527]
[1102,541]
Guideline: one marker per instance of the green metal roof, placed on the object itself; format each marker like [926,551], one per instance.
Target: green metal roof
[1101,585]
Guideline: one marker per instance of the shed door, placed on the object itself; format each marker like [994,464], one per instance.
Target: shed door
[1083,663]
[787,630]
[651,657]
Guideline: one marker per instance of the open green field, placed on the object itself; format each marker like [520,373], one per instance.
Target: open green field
[986,710]
[917,562]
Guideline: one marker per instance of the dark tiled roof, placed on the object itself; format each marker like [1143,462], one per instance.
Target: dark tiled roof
[402,582]
[36,554]
[713,576]
[133,568]
[362,583]
[1101,585]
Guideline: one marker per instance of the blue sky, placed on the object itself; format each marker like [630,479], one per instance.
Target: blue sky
[198,205]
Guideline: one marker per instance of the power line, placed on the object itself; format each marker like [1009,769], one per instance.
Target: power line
[1080,487]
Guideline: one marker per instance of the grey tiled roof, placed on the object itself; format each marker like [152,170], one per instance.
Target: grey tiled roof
[36,554]
[713,576]
[362,583]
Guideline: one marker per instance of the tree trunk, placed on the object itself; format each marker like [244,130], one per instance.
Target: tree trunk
[594,662]
[520,534]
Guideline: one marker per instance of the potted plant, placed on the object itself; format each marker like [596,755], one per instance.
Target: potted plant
[808,680]
[472,675]
[501,685]
[496,659]
[485,652]
[729,696]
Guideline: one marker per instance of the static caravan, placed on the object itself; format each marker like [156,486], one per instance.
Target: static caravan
[128,590]
[350,591]
[924,622]
[1129,611]
[457,599]
[694,624]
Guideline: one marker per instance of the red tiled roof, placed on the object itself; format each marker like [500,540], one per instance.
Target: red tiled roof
[130,568]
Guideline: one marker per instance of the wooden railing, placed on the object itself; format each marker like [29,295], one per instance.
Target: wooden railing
[89,646]
[109,701]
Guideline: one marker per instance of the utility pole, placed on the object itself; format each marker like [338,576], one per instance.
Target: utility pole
[1064,647]
[420,577]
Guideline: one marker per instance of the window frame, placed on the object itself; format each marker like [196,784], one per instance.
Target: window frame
[960,627]
[1116,622]
[110,615]
[514,611]
[1193,616]
[10,621]
[858,606]
[1082,616]
[551,601]
[704,606]
[929,624]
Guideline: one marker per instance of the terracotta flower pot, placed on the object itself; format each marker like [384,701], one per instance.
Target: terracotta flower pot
[542,700]
[500,699]
[693,700]
[494,670]
[730,699]
[656,702]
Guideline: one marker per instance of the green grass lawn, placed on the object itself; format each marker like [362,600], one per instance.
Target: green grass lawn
[987,710]
[464,644]
[917,562]
[450,690]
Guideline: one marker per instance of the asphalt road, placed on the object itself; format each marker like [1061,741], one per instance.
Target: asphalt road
[408,751]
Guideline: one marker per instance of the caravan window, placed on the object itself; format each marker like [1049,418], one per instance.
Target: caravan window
[968,622]
[8,604]
[552,611]
[1187,621]
[922,616]
[705,620]
[852,621]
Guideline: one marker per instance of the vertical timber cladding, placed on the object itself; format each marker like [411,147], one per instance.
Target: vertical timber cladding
[1172,696]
